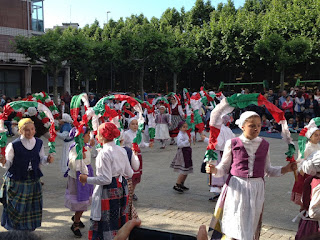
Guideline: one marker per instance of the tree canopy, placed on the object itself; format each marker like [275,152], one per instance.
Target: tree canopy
[274,40]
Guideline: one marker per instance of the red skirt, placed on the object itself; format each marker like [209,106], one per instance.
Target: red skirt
[136,178]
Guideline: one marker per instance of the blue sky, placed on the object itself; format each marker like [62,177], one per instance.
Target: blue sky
[85,12]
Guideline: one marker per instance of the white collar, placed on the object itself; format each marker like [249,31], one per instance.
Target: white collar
[108,144]
[23,138]
[246,140]
[174,105]
[132,130]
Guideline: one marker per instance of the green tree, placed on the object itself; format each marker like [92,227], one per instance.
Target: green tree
[281,54]
[47,49]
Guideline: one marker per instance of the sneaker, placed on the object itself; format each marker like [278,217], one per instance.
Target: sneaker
[178,189]
[172,142]
[162,147]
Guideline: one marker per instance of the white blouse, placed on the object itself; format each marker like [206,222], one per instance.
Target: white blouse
[183,140]
[310,163]
[78,164]
[251,147]
[28,144]
[128,137]
[224,135]
[309,149]
[112,161]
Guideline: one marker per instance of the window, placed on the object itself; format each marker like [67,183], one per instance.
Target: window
[37,16]
[10,83]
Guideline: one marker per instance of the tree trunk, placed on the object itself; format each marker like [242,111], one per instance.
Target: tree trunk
[282,79]
[175,76]
[87,85]
[55,86]
[111,85]
[141,81]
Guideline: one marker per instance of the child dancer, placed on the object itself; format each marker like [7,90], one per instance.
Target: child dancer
[247,159]
[78,195]
[224,135]
[65,123]
[109,211]
[182,163]
[128,137]
[313,134]
[21,190]
[309,223]
[162,130]
[134,163]
[177,115]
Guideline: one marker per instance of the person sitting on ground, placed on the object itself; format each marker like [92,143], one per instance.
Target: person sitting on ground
[265,123]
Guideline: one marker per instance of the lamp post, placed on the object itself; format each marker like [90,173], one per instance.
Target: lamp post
[107,16]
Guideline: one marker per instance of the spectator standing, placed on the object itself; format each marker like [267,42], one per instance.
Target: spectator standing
[67,99]
[299,107]
[317,96]
[92,100]
[292,92]
[311,105]
[272,97]
[304,93]
[283,98]
[62,107]
[3,100]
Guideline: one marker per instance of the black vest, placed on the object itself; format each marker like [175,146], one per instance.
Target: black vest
[22,157]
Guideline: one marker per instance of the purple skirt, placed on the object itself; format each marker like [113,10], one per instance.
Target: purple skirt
[307,228]
[78,196]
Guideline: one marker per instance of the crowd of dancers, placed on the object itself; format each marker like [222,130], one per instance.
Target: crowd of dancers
[112,131]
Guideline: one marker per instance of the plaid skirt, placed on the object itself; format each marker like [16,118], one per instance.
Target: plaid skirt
[22,204]
[132,210]
[114,211]
[173,128]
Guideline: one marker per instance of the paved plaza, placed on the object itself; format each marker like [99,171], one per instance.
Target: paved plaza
[160,207]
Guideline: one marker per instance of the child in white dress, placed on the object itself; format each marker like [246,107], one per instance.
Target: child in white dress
[247,161]
[128,137]
[163,121]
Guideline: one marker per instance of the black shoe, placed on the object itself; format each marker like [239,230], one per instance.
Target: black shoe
[81,225]
[215,198]
[183,187]
[178,189]
[77,232]
[134,197]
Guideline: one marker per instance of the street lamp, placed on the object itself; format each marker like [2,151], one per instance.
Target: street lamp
[107,16]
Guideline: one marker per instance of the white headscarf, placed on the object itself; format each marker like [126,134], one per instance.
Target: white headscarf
[131,119]
[311,131]
[66,118]
[244,116]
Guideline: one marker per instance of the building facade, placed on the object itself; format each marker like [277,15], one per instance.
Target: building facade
[17,76]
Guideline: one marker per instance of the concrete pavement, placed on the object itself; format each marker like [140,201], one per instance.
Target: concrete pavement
[160,207]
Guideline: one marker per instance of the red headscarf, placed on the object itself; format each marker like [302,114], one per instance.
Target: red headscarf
[109,131]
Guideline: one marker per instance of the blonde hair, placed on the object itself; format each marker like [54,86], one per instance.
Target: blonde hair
[24,122]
